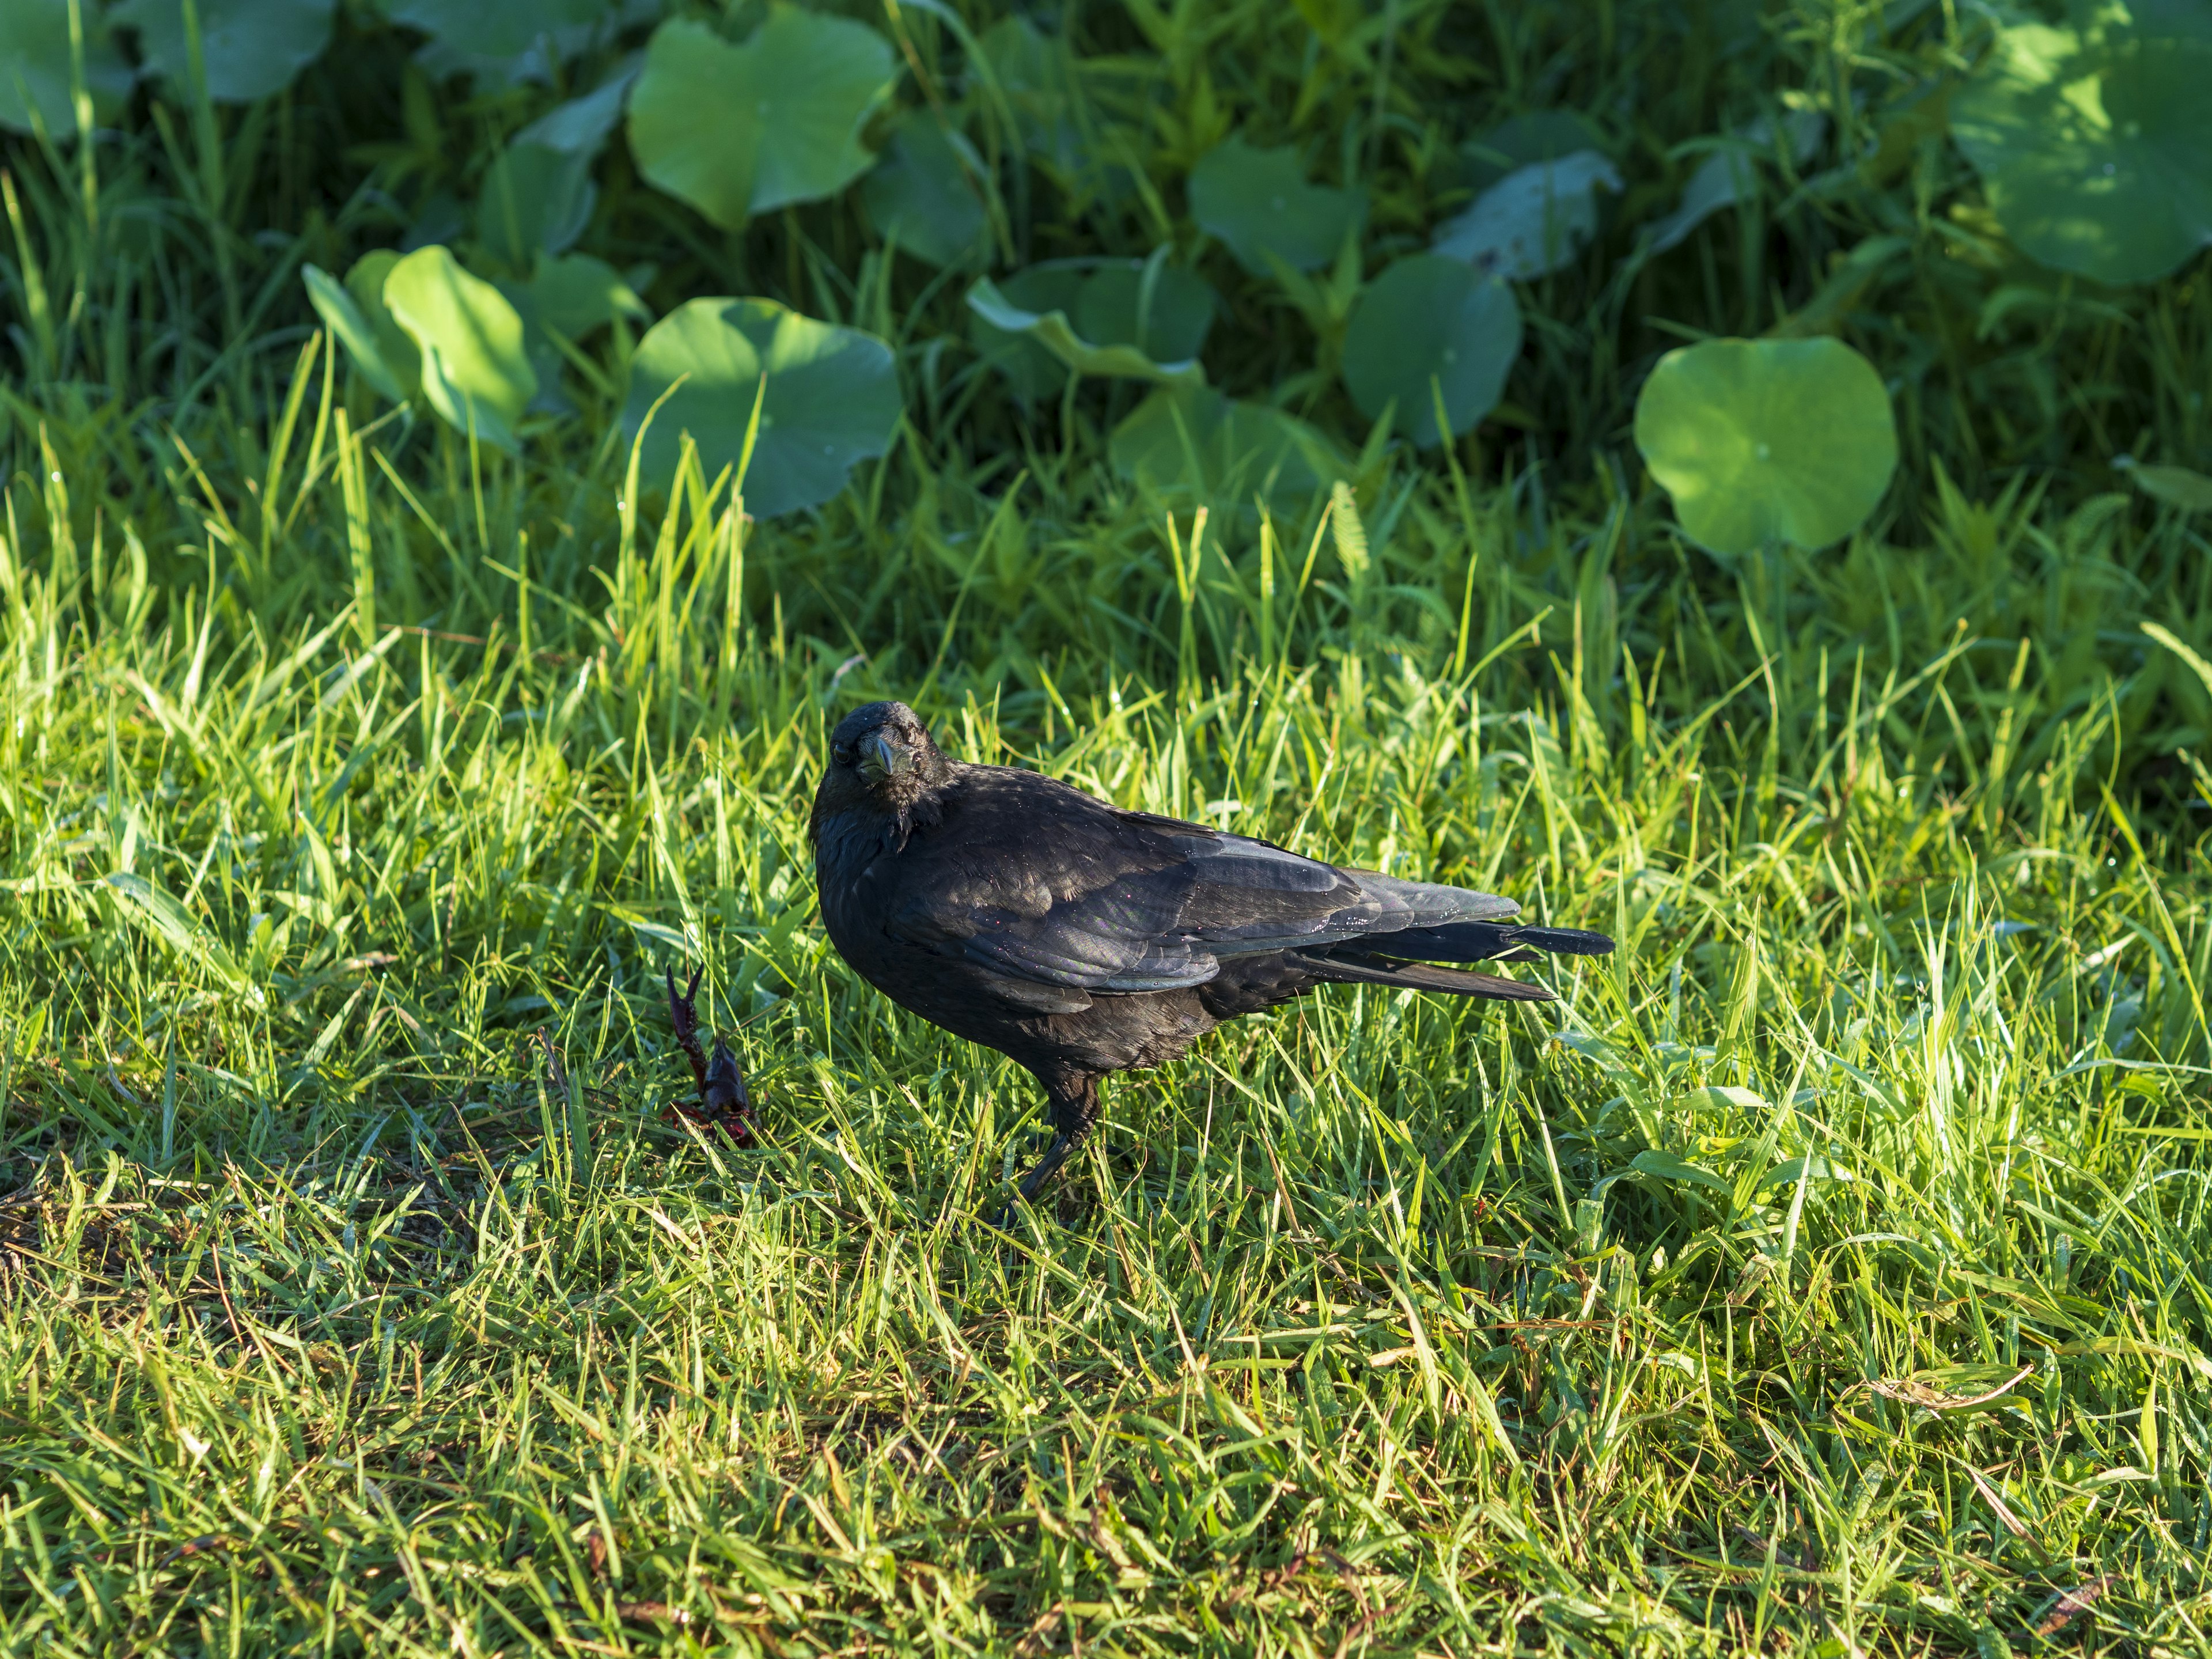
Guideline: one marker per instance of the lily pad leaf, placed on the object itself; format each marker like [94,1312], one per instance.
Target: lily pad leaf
[2092,138]
[831,400]
[504,42]
[1259,203]
[923,195]
[1533,221]
[1430,322]
[1666,1166]
[34,67]
[251,49]
[355,332]
[740,130]
[1192,441]
[1054,331]
[1768,440]
[476,372]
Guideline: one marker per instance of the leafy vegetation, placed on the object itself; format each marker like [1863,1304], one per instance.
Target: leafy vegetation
[460,456]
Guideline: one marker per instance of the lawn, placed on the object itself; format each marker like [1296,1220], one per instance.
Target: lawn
[1826,1271]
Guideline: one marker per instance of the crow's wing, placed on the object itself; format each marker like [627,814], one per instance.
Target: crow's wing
[1037,882]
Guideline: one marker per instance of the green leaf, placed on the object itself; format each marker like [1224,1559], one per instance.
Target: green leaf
[1768,440]
[1053,331]
[1430,322]
[739,130]
[1192,441]
[2091,139]
[2176,486]
[923,195]
[155,913]
[502,42]
[832,398]
[474,370]
[251,49]
[1667,1167]
[1534,221]
[534,199]
[34,67]
[1258,202]
[344,318]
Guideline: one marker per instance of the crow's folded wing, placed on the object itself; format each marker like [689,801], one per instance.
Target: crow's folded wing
[1092,899]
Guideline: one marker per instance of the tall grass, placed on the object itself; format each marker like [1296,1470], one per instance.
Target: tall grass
[340,1317]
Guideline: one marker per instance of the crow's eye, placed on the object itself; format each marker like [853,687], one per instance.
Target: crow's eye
[841,753]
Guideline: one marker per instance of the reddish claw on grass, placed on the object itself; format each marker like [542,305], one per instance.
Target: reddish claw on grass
[723,1101]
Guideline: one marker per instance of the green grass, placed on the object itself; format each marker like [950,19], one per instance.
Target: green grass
[335,1322]
[1825,1272]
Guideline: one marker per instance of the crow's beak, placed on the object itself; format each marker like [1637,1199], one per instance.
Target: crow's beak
[880,758]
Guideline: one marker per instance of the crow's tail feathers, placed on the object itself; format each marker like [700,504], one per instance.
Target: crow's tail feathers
[1405,958]
[1357,968]
[1488,941]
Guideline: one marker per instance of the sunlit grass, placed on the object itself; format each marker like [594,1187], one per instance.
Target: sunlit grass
[1645,1319]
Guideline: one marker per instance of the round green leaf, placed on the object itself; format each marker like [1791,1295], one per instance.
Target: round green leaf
[1191,441]
[739,130]
[832,398]
[1768,440]
[1258,202]
[1534,221]
[476,373]
[2092,140]
[1428,323]
[34,66]
[923,195]
[251,48]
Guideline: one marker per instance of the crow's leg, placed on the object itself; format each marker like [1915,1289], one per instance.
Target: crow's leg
[1073,1099]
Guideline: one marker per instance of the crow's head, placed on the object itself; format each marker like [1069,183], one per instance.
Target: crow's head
[881,757]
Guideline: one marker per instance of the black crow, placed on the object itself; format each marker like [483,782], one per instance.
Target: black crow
[1079,939]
